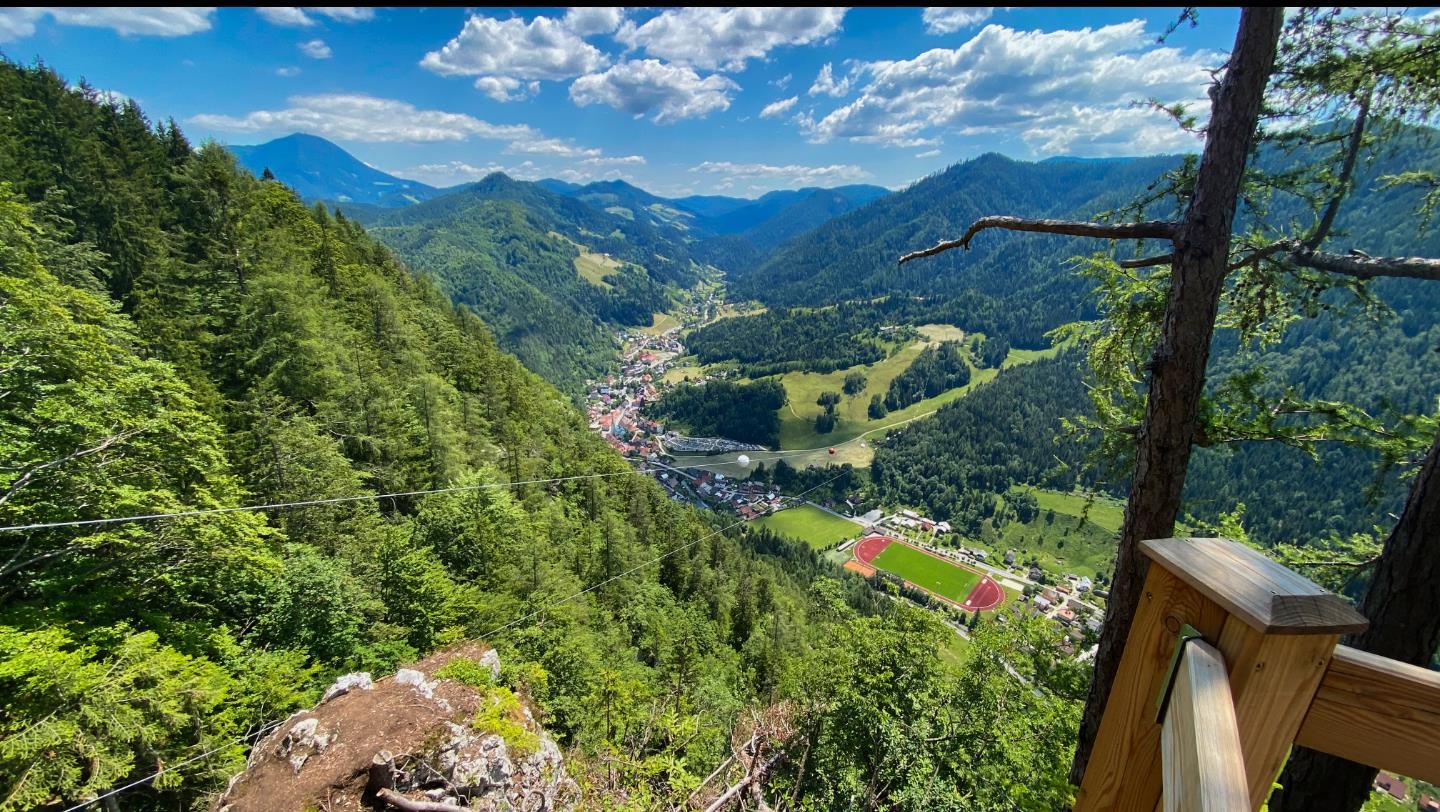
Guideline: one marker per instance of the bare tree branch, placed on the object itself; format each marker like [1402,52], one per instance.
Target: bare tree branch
[399,801]
[1264,253]
[1342,185]
[1146,262]
[30,474]
[1154,229]
[1367,267]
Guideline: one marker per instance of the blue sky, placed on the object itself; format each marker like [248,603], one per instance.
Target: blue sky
[679,101]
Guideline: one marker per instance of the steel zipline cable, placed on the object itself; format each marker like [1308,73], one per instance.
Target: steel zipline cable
[185,514]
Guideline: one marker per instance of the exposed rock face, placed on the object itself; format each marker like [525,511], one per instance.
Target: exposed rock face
[338,756]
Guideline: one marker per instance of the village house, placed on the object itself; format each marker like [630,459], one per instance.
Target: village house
[1392,785]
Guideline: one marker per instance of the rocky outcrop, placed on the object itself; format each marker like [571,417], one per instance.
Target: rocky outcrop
[414,741]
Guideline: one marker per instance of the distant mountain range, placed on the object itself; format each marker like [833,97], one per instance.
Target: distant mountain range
[320,170]
[553,267]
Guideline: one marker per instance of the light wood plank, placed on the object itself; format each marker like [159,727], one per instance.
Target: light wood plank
[1124,769]
[1266,595]
[1378,712]
[1204,768]
[1272,678]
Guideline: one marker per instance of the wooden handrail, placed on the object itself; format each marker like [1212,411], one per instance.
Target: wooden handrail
[1219,743]
[1378,712]
[1275,631]
[1200,739]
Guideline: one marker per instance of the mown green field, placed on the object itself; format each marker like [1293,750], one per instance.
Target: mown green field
[596,268]
[659,323]
[811,525]
[1105,511]
[797,419]
[1064,545]
[941,577]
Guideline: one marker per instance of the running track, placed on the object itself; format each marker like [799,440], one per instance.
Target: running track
[983,597]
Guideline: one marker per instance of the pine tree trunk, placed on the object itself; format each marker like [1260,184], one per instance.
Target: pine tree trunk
[1403,605]
[1177,369]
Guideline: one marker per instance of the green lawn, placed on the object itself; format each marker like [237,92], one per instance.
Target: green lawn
[855,434]
[1064,545]
[811,525]
[956,651]
[660,322]
[1105,511]
[797,418]
[596,268]
[926,571]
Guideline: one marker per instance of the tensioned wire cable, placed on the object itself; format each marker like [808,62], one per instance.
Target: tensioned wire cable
[273,725]
[184,514]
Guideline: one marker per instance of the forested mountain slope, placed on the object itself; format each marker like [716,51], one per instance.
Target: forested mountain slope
[734,234]
[508,249]
[179,335]
[1387,365]
[631,202]
[776,216]
[853,256]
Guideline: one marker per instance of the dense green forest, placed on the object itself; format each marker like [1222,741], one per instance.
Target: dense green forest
[1003,433]
[747,412]
[778,341]
[936,369]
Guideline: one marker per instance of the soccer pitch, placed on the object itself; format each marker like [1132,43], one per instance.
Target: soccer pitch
[927,571]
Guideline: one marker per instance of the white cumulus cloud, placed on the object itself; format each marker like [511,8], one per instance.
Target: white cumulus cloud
[716,38]
[1046,87]
[16,23]
[825,83]
[949,19]
[316,49]
[776,109]
[618,160]
[544,48]
[506,89]
[296,17]
[450,173]
[552,146]
[587,21]
[666,92]
[344,14]
[757,177]
[288,16]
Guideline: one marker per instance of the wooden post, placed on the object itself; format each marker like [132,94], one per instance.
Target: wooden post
[1275,631]
[1199,739]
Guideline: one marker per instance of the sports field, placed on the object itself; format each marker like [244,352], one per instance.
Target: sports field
[964,587]
[927,571]
[811,525]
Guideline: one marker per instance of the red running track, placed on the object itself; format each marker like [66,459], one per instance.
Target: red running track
[983,597]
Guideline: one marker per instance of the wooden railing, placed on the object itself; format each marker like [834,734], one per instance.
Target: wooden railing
[1231,660]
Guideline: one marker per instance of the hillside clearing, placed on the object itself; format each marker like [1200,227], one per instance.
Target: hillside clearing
[818,528]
